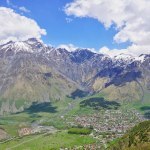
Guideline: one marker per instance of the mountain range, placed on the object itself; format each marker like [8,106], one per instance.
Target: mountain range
[31,71]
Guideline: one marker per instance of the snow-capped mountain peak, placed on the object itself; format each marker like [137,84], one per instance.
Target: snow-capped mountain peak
[17,46]
[31,45]
[34,45]
[128,58]
[124,56]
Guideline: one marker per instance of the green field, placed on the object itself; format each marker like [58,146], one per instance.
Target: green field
[48,142]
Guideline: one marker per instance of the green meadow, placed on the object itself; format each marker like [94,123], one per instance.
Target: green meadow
[48,142]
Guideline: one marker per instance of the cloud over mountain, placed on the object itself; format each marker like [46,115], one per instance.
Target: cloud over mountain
[16,27]
[130,17]
[68,47]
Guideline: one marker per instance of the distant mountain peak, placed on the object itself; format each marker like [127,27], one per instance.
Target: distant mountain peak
[17,46]
[31,45]
[128,58]
[34,45]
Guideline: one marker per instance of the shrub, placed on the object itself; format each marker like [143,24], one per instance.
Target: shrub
[83,131]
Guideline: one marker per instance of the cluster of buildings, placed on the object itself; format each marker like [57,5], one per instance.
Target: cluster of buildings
[110,121]
[85,147]
[35,130]
[110,124]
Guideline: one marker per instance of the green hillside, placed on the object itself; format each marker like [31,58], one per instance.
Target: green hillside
[138,138]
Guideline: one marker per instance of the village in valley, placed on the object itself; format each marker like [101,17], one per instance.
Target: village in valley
[106,121]
[110,124]
[106,125]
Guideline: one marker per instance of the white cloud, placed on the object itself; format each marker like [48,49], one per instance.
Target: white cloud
[71,47]
[132,50]
[68,47]
[15,27]
[69,20]
[113,52]
[24,9]
[104,50]
[130,17]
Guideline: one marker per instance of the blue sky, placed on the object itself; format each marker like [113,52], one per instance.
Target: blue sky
[110,26]
[82,32]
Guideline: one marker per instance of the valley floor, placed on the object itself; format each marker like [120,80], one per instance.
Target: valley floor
[48,141]
[43,129]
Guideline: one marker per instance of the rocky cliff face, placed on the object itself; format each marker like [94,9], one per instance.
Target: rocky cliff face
[31,71]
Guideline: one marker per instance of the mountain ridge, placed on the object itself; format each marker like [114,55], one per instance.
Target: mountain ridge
[33,71]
